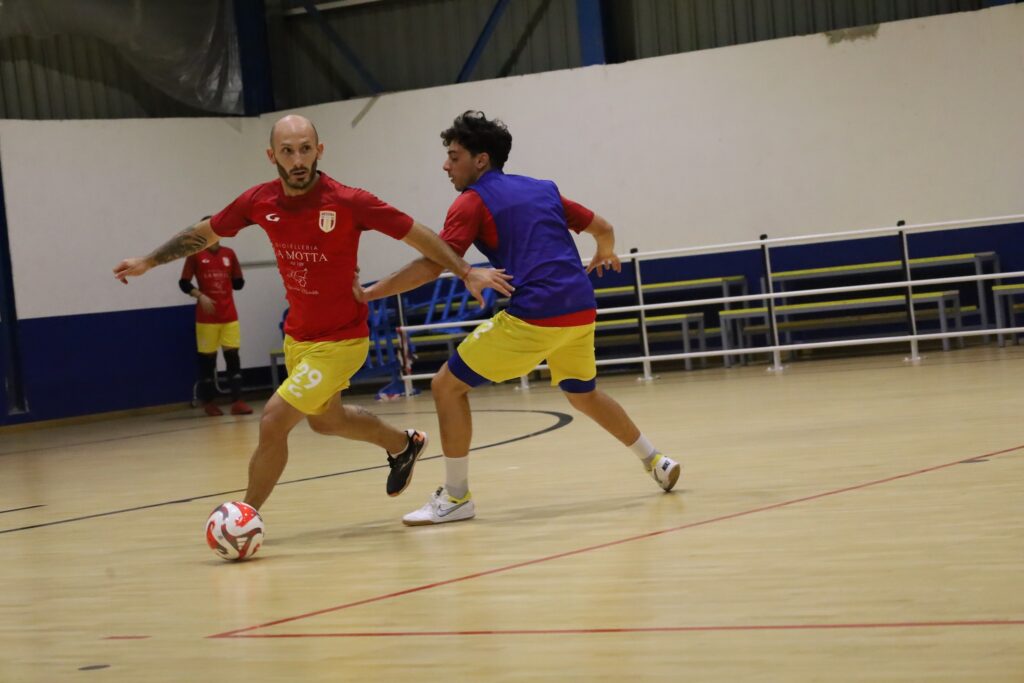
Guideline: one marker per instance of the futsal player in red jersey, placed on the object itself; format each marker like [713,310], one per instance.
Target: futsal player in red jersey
[217,274]
[314,224]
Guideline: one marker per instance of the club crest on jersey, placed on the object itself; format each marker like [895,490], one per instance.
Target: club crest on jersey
[327,220]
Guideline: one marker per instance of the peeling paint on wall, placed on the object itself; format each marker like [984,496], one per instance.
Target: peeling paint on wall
[855,33]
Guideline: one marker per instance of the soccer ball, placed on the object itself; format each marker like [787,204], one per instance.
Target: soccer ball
[234,531]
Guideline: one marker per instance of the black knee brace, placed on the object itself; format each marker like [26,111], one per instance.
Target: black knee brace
[207,366]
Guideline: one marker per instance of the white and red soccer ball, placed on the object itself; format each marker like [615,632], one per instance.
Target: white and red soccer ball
[234,531]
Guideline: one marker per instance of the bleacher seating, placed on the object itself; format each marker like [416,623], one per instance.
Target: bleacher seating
[449,302]
[946,302]
[1004,300]
[737,325]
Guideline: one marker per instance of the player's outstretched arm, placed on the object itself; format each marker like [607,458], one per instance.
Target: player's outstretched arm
[186,242]
[605,257]
[437,250]
[408,277]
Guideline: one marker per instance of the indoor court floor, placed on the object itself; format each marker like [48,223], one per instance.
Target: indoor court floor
[850,519]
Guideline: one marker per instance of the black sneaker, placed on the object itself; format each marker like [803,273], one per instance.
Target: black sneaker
[402,464]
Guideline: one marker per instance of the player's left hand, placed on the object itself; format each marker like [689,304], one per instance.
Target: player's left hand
[479,279]
[131,267]
[602,262]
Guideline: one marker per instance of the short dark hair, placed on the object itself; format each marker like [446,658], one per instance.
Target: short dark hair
[477,134]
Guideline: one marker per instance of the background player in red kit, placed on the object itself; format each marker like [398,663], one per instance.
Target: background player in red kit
[314,224]
[218,274]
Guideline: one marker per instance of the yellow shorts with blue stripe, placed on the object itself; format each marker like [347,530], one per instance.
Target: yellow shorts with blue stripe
[506,347]
[317,371]
[211,336]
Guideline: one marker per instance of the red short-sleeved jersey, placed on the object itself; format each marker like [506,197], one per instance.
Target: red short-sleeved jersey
[214,271]
[469,221]
[315,237]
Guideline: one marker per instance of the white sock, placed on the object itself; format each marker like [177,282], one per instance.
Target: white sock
[644,450]
[456,476]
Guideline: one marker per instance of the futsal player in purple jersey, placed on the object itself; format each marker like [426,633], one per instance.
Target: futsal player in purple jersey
[522,225]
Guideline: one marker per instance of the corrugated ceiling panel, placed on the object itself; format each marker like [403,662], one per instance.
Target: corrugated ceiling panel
[651,28]
[74,77]
[417,44]
[409,44]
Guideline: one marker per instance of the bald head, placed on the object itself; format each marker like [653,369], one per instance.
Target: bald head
[295,149]
[293,126]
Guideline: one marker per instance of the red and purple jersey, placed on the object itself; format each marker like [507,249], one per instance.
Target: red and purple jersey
[522,225]
[214,271]
[315,237]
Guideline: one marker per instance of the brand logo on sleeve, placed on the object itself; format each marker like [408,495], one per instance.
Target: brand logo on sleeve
[272,217]
[327,220]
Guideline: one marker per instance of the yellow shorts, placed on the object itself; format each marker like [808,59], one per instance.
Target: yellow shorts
[319,370]
[505,347]
[212,336]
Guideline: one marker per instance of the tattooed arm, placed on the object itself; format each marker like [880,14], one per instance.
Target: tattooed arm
[186,242]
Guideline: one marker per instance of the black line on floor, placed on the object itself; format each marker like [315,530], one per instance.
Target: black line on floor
[561,420]
[27,507]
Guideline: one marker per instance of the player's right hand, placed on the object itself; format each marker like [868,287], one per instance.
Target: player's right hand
[206,303]
[479,279]
[131,267]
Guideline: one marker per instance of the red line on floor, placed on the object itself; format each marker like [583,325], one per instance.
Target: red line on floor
[578,551]
[652,629]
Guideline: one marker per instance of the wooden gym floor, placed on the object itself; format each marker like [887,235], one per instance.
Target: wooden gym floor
[852,519]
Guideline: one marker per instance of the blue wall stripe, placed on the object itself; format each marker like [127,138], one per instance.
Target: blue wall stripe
[86,364]
[96,363]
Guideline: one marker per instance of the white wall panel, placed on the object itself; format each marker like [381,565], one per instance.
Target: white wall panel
[789,137]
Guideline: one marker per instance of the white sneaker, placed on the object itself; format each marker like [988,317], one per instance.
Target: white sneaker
[665,471]
[442,508]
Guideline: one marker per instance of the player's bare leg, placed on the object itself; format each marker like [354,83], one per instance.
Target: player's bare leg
[606,411]
[271,456]
[359,424]
[451,398]
[451,502]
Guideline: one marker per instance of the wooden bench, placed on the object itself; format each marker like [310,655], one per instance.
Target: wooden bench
[735,317]
[724,283]
[685,320]
[1002,296]
[691,325]
[976,260]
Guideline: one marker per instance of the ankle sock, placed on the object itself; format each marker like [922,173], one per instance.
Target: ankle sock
[644,450]
[456,479]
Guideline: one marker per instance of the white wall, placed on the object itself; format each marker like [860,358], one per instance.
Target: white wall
[789,137]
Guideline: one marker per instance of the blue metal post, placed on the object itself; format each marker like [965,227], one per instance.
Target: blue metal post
[343,48]
[481,41]
[251,25]
[588,15]
[11,388]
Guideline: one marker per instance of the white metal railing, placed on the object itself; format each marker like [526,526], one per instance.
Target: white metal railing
[775,348]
